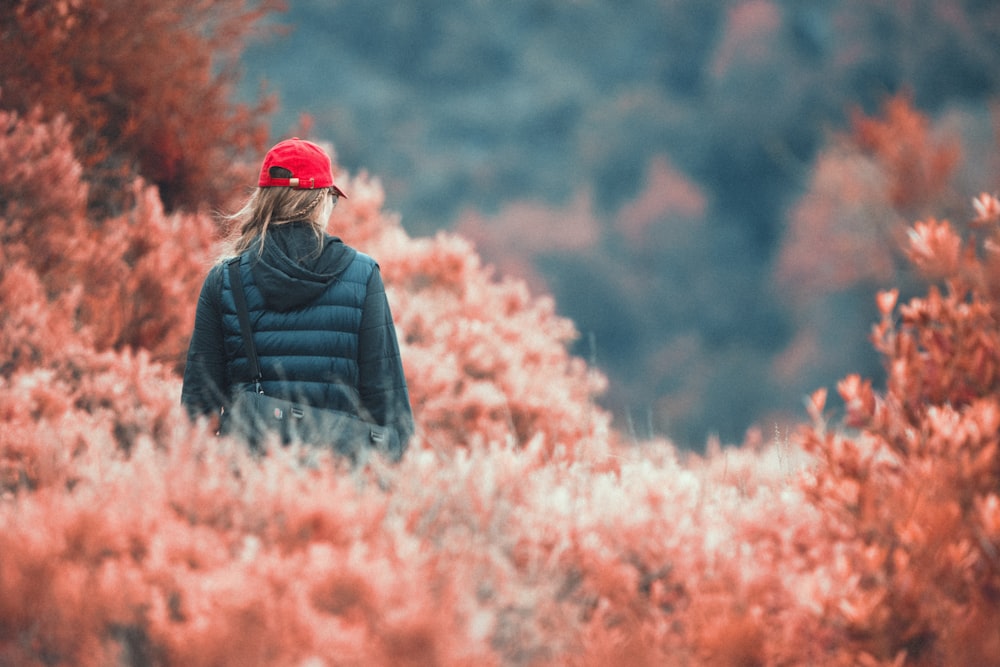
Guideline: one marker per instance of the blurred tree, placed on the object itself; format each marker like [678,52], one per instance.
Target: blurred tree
[146,87]
[847,235]
[849,228]
[917,164]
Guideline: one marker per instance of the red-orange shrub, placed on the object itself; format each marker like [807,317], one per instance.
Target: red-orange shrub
[850,227]
[918,164]
[910,501]
[120,282]
[146,87]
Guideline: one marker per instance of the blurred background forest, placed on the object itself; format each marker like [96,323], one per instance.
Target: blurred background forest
[707,187]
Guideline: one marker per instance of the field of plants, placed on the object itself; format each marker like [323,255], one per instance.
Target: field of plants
[520,528]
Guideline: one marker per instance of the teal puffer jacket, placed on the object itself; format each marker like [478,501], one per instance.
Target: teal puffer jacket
[322,328]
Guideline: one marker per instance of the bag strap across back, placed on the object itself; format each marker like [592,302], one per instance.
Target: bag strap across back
[382,436]
[243,312]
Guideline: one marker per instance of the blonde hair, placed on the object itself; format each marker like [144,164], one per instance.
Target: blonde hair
[275,206]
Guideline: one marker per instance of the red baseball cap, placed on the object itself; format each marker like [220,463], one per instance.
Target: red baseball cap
[309,164]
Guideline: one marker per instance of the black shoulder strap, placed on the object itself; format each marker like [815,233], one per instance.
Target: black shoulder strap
[236,281]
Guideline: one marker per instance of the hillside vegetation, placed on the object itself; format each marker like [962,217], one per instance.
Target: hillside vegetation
[520,528]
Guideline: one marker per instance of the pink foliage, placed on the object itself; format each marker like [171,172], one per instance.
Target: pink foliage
[486,360]
[118,280]
[749,35]
[842,232]
[668,194]
[524,231]
[909,502]
[518,530]
[850,227]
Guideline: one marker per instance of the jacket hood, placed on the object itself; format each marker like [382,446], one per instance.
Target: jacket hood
[290,273]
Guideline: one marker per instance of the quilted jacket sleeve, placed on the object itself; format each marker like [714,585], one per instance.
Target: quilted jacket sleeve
[381,382]
[205,388]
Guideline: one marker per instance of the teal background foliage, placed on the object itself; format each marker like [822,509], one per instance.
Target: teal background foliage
[466,107]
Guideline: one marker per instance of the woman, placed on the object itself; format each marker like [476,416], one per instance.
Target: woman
[320,321]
